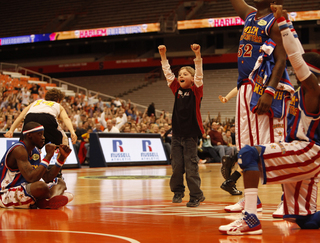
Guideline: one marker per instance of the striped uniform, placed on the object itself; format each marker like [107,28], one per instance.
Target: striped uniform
[46,113]
[296,162]
[14,192]
[13,184]
[252,129]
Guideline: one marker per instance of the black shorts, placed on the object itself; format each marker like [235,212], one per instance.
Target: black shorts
[51,132]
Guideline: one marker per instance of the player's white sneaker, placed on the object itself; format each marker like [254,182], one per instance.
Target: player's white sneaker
[248,224]
[239,206]
[69,195]
[279,212]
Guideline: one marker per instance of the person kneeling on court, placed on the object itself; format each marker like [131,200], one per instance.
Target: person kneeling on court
[26,181]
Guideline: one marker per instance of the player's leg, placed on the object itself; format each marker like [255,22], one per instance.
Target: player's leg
[249,222]
[49,198]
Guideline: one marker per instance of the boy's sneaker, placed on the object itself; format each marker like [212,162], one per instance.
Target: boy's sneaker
[230,186]
[53,203]
[177,198]
[248,224]
[195,202]
[279,212]
[239,206]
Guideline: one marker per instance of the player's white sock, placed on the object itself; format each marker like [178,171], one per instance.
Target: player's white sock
[251,195]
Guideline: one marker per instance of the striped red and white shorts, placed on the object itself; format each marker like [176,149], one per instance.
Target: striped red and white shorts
[296,165]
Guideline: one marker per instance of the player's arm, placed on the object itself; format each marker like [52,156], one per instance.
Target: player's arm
[66,120]
[309,82]
[279,53]
[229,96]
[19,119]
[64,151]
[19,156]
[242,8]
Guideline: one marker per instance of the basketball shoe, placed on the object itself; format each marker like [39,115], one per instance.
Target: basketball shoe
[239,206]
[248,224]
[53,203]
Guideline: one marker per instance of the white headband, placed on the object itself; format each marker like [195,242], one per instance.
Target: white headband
[36,129]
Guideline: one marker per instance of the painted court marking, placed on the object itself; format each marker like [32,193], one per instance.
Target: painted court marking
[74,232]
[124,177]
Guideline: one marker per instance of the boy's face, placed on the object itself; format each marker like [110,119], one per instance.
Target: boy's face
[185,79]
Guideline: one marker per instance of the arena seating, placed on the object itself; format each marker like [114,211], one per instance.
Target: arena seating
[216,82]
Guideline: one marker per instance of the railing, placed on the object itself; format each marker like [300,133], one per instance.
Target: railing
[76,88]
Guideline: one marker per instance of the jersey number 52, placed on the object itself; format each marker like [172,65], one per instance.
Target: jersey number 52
[245,50]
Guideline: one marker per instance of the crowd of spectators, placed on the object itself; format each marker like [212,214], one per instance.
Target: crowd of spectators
[92,114]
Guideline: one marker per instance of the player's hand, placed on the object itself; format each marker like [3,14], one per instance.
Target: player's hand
[64,151]
[8,134]
[223,99]
[162,50]
[278,11]
[74,138]
[50,148]
[264,104]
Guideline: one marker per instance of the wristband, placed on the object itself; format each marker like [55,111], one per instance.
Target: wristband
[290,25]
[59,163]
[282,23]
[44,163]
[270,90]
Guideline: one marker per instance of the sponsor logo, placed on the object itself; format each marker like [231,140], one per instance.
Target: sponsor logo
[147,153]
[118,152]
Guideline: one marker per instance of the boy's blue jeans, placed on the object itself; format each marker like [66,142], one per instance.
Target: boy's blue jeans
[185,160]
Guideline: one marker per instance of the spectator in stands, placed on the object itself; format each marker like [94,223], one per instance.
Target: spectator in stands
[228,139]
[34,91]
[151,110]
[217,141]
[25,96]
[126,129]
[5,103]
[111,128]
[166,145]
[121,118]
[233,134]
[42,93]
[101,104]
[206,146]
[92,99]
[154,128]
[83,153]
[143,128]
[117,102]
[97,127]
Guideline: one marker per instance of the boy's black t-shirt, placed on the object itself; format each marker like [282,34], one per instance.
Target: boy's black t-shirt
[186,111]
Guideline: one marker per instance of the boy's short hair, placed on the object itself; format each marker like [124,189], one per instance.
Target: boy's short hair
[189,69]
[54,95]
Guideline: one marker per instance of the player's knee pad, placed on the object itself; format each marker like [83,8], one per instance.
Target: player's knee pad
[248,158]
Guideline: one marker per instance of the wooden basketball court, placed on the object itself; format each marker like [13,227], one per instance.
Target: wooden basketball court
[133,204]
